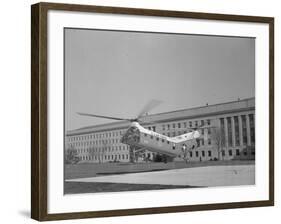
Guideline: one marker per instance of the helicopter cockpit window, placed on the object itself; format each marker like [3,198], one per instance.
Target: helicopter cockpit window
[131,136]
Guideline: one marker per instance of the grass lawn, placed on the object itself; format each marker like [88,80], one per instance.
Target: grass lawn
[83,187]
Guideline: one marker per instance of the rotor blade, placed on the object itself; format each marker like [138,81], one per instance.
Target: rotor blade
[148,107]
[107,117]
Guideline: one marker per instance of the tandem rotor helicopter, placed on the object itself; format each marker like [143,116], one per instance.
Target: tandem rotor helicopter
[141,139]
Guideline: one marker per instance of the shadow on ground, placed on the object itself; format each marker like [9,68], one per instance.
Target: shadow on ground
[24,213]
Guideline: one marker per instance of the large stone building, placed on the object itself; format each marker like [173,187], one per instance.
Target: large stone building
[231,134]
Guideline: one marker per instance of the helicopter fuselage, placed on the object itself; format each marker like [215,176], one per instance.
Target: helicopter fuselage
[140,137]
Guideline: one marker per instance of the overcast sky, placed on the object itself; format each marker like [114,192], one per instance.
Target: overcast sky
[116,73]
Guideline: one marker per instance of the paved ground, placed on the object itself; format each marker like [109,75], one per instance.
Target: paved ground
[82,170]
[229,175]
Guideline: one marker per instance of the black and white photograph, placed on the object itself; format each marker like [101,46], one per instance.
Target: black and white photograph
[155,111]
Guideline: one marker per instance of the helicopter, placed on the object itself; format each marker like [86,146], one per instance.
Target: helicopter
[141,139]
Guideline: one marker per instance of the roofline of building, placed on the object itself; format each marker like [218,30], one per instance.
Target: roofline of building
[211,105]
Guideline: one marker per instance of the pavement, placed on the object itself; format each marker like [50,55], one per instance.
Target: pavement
[199,176]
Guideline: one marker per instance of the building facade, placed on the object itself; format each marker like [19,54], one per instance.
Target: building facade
[229,134]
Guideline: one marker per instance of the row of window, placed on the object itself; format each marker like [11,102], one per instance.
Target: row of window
[203,153]
[230,152]
[185,124]
[97,142]
[96,136]
[103,149]
[237,152]
[157,138]
[105,157]
[201,142]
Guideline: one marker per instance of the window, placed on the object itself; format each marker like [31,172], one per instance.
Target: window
[184,125]
[209,142]
[179,125]
[174,146]
[252,128]
[202,131]
[223,152]
[229,131]
[202,122]
[244,130]
[157,138]
[190,154]
[174,125]
[222,130]
[190,124]
[230,152]
[151,136]
[236,130]
[168,127]
[168,142]
[163,140]
[203,153]
[196,123]
[209,153]
[197,153]
[237,152]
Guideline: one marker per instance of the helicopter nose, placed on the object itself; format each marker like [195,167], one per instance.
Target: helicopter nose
[134,124]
